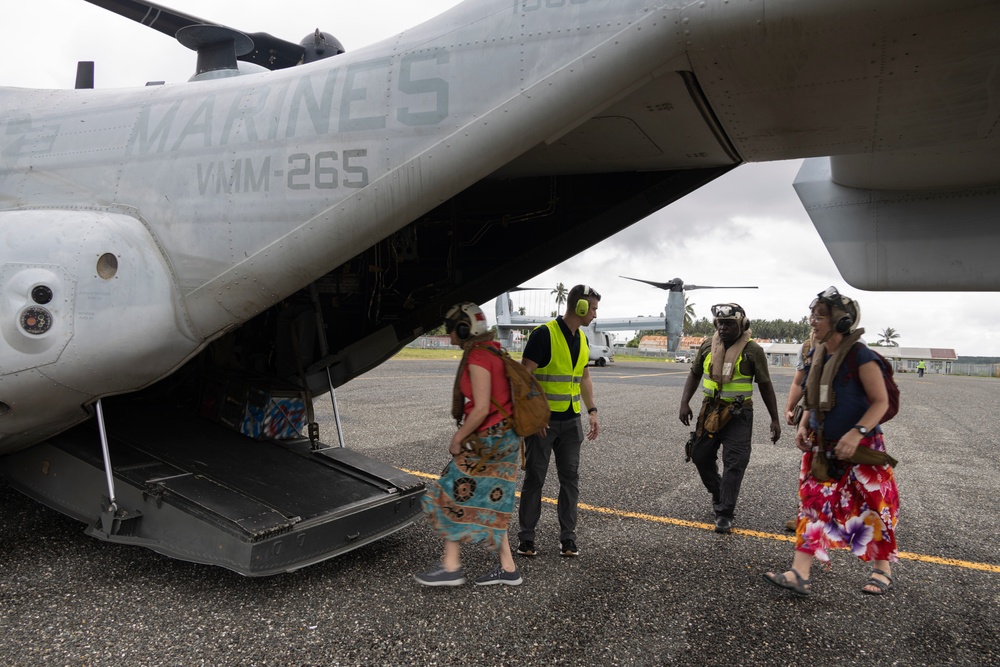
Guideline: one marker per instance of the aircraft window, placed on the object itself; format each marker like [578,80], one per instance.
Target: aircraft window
[4,409]
[41,294]
[107,266]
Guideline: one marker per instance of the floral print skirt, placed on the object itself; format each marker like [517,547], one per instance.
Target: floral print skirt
[856,511]
[473,499]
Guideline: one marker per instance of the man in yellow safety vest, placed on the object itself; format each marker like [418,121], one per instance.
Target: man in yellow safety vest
[557,353]
[726,367]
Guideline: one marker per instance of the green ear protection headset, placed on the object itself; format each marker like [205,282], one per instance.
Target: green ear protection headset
[583,305]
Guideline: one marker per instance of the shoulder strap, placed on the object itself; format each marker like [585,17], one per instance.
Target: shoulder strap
[852,359]
[493,350]
[499,409]
[503,357]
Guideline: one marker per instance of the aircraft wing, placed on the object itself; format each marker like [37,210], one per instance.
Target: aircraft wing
[898,115]
[906,233]
[630,324]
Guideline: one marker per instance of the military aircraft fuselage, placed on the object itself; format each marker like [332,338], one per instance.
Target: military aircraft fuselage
[361,194]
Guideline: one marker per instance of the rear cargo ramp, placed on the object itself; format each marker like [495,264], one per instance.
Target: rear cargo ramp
[194,490]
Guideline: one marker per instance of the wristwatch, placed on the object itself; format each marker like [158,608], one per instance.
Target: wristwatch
[861,429]
[592,411]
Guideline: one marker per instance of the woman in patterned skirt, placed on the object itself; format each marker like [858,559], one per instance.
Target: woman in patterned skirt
[474,497]
[847,490]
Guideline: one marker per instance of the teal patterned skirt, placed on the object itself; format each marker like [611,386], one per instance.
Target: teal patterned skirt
[473,499]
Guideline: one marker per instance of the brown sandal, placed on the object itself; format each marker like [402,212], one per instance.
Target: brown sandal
[798,587]
[882,586]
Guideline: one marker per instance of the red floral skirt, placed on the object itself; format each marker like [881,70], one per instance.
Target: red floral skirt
[856,511]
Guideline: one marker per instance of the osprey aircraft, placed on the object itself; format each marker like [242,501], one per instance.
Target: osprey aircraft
[185,267]
[674,311]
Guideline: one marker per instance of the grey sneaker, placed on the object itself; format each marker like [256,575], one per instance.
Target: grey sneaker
[441,577]
[498,575]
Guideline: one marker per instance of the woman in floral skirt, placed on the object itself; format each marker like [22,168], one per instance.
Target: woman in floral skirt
[847,490]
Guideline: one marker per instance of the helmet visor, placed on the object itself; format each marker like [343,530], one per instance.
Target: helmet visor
[725,311]
[830,296]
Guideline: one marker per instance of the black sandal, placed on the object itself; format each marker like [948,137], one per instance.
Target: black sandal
[882,586]
[798,587]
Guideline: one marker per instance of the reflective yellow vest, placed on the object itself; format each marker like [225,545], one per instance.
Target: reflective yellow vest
[560,380]
[740,385]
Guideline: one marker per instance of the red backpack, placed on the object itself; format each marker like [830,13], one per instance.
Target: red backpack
[891,388]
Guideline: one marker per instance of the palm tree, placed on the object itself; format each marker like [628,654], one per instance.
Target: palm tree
[521,310]
[888,337]
[560,291]
[688,314]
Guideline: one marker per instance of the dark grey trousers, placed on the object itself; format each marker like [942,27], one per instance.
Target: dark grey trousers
[734,439]
[564,439]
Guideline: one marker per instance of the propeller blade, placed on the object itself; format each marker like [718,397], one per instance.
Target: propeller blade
[667,285]
[158,18]
[687,287]
[269,52]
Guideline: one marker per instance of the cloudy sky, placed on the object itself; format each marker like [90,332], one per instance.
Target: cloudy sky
[752,209]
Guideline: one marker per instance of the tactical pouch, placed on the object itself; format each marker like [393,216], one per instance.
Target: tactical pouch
[713,418]
[797,414]
[869,457]
[823,465]
[819,469]
[689,445]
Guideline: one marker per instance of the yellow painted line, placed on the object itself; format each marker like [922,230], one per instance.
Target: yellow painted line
[936,560]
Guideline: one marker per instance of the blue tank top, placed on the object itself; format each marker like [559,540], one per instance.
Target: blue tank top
[852,402]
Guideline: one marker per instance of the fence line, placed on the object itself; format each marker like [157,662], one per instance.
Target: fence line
[978,370]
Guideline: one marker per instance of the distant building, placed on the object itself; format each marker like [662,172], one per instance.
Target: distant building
[904,359]
[658,345]
[691,344]
[653,344]
[782,354]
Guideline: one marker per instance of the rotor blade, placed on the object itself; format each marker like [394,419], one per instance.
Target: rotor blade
[527,289]
[162,19]
[720,287]
[667,285]
[269,52]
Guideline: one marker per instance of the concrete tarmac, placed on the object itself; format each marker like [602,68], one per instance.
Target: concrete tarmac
[654,585]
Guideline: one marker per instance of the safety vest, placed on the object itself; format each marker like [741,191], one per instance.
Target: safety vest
[740,385]
[560,380]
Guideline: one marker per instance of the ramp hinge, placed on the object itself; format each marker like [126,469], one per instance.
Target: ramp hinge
[119,522]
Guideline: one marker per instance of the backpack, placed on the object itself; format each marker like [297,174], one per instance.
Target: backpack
[531,407]
[891,388]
